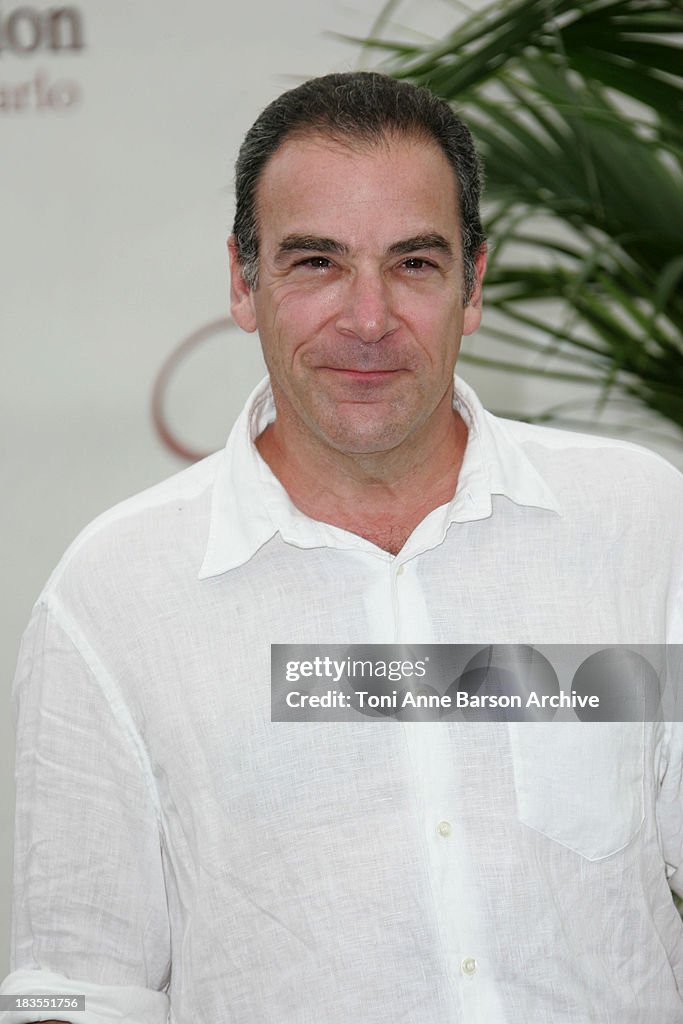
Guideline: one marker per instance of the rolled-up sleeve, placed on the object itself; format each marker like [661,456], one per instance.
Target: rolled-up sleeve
[89,904]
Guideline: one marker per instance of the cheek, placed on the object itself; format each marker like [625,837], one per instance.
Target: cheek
[301,312]
[437,329]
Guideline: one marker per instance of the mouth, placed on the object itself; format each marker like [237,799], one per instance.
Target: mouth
[365,375]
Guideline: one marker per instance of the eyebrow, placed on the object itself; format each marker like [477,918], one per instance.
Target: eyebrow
[314,243]
[309,243]
[420,242]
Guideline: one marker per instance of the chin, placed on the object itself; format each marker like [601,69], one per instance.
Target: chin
[360,430]
[364,444]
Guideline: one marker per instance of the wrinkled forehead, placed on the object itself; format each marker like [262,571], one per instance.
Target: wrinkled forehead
[319,143]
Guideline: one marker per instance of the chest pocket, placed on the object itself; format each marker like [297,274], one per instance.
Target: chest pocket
[580,784]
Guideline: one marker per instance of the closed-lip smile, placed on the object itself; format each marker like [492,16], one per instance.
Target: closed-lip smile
[362,372]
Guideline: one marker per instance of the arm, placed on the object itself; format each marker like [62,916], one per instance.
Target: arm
[89,901]
[669,803]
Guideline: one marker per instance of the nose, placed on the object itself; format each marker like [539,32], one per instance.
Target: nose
[367,313]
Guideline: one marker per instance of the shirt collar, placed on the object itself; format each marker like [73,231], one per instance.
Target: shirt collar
[249,505]
[495,462]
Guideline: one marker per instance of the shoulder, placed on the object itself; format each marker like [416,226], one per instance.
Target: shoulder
[171,516]
[573,461]
[557,439]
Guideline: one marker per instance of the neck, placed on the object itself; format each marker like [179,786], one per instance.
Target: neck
[381,497]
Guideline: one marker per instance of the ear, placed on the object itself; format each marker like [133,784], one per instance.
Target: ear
[241,295]
[472,317]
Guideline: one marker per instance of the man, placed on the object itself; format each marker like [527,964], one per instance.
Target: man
[179,856]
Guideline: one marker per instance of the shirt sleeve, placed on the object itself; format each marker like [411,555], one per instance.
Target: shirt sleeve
[670,805]
[89,912]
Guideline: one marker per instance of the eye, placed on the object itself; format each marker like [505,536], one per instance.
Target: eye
[417,264]
[315,262]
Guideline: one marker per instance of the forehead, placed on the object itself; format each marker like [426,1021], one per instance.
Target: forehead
[317,184]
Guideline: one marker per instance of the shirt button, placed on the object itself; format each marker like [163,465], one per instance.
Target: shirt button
[399,571]
[469,965]
[444,828]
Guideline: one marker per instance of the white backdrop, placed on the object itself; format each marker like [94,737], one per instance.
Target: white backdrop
[115,189]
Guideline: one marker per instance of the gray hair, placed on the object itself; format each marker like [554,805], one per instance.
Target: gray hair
[358,106]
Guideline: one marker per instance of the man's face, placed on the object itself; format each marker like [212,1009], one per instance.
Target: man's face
[359,302]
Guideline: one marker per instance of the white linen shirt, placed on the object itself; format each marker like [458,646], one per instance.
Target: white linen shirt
[180,857]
